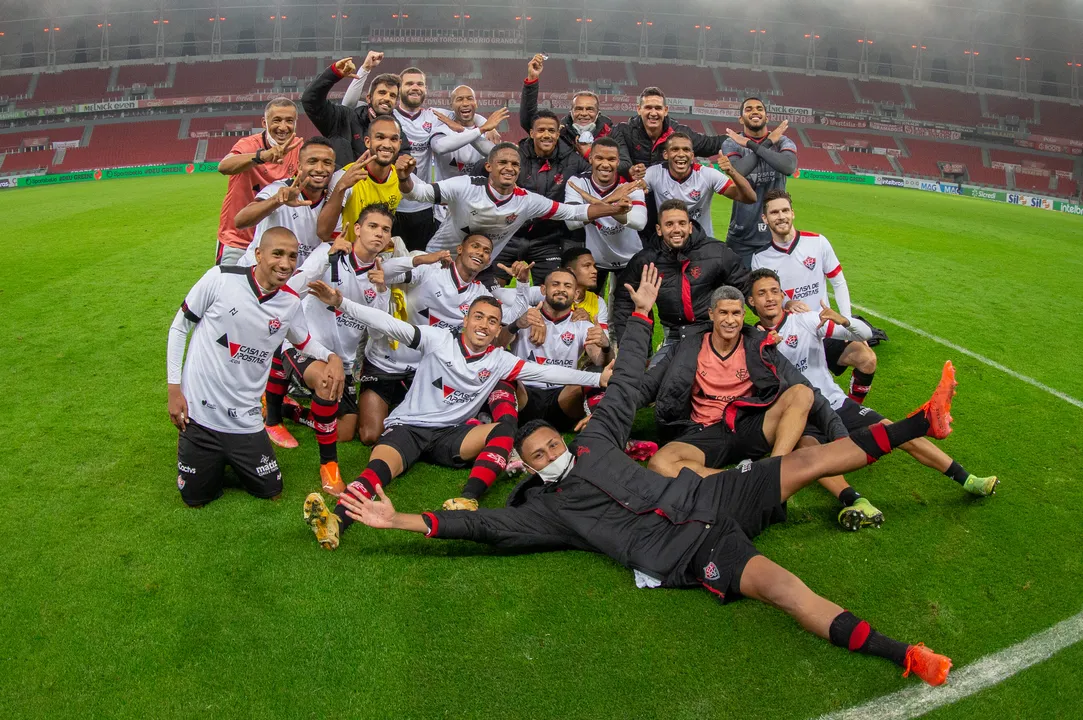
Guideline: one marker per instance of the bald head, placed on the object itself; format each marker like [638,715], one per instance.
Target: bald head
[276,258]
[464,103]
[277,235]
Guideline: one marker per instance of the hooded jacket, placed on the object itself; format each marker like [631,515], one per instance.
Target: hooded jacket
[344,127]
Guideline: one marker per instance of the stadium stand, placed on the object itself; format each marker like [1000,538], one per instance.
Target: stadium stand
[881,92]
[740,80]
[696,125]
[1060,120]
[219,147]
[924,155]
[941,105]
[504,75]
[276,69]
[220,78]
[841,136]
[149,75]
[1021,158]
[866,161]
[617,72]
[459,67]
[212,124]
[10,141]
[678,81]
[1003,106]
[820,92]
[816,159]
[70,86]
[16,163]
[1066,187]
[1036,183]
[124,144]
[12,86]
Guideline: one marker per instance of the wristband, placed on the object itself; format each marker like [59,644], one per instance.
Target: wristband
[256,159]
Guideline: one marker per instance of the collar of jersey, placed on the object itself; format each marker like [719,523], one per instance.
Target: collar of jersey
[554,320]
[495,197]
[407,115]
[358,268]
[695,167]
[793,245]
[602,191]
[781,322]
[466,352]
[459,284]
[256,289]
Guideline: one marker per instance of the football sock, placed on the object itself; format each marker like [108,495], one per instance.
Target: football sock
[848,496]
[297,413]
[493,458]
[855,635]
[375,473]
[592,396]
[276,390]
[860,384]
[325,423]
[957,472]
[879,439]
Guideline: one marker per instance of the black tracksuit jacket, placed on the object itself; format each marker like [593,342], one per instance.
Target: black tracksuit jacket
[528,105]
[689,275]
[608,503]
[637,147]
[344,127]
[669,385]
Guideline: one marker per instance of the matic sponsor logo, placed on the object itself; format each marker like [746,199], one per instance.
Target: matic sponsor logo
[239,353]
[267,466]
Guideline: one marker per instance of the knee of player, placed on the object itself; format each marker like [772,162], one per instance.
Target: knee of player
[867,360]
[800,396]
[662,464]
[370,435]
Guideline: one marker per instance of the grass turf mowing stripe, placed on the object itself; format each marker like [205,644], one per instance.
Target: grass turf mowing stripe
[975,677]
[980,358]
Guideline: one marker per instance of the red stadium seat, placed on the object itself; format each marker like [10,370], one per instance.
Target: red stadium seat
[70,86]
[925,153]
[1066,187]
[211,124]
[219,147]
[940,105]
[228,77]
[13,86]
[149,75]
[866,161]
[816,159]
[820,135]
[681,81]
[1003,106]
[823,92]
[137,143]
[1021,158]
[882,92]
[617,72]
[15,140]
[509,75]
[746,80]
[1060,120]
[1033,183]
[26,161]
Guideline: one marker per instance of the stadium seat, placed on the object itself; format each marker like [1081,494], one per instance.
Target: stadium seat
[1035,183]
[821,135]
[1021,158]
[219,147]
[949,106]
[924,155]
[1060,120]
[823,92]
[13,86]
[212,124]
[816,159]
[149,75]
[617,72]
[227,77]
[751,80]
[866,161]
[1066,187]
[459,67]
[882,92]
[137,143]
[1003,106]
[70,86]
[22,162]
[15,140]
[509,76]
[682,81]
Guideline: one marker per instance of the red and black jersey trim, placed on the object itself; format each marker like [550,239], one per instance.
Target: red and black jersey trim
[555,320]
[407,115]
[467,355]
[260,295]
[460,284]
[189,315]
[496,199]
[793,245]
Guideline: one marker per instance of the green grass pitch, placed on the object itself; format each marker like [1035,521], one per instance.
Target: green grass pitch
[117,601]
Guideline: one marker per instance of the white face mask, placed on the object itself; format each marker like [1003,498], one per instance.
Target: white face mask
[580,129]
[556,470]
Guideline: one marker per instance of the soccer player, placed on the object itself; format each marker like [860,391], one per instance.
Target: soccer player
[237,318]
[457,374]
[359,276]
[584,117]
[473,129]
[253,163]
[588,305]
[565,342]
[766,159]
[372,180]
[495,206]
[293,203]
[691,265]
[805,261]
[725,394]
[686,531]
[611,241]
[346,126]
[799,339]
[439,290]
[682,178]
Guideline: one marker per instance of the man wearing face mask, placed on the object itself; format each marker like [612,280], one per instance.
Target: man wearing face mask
[584,116]
[691,264]
[686,531]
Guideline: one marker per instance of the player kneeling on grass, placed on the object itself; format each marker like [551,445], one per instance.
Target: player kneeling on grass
[240,317]
[353,269]
[459,372]
[799,338]
[685,531]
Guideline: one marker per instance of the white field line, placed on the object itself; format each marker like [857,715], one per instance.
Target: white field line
[975,677]
[969,353]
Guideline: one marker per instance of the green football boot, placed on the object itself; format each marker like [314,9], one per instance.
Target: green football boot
[981,486]
[860,514]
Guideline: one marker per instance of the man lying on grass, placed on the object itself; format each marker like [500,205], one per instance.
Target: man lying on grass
[687,530]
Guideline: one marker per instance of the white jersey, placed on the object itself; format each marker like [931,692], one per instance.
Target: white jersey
[801,342]
[611,243]
[301,220]
[455,163]
[804,268]
[563,346]
[435,297]
[417,130]
[475,208]
[334,329]
[237,330]
[451,384]
[534,296]
[696,191]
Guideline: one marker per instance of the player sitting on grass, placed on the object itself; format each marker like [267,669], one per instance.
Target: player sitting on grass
[724,393]
[686,531]
[799,338]
[240,317]
[458,372]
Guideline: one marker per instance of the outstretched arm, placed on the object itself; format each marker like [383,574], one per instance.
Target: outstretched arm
[369,317]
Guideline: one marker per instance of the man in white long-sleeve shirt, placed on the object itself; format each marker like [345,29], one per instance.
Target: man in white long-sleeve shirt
[240,317]
[805,263]
[495,206]
[454,379]
[799,338]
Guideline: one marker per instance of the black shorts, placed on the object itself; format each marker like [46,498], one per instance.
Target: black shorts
[721,447]
[202,456]
[833,349]
[439,446]
[749,501]
[391,387]
[415,228]
[544,404]
[297,363]
[853,415]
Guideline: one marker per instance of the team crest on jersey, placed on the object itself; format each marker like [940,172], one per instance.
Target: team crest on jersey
[694,195]
[695,272]
[567,337]
[582,450]
[427,126]
[558,178]
[711,572]
[791,340]
[741,374]
[243,353]
[484,374]
[762,227]
[464,307]
[370,295]
[810,263]
[511,218]
[274,325]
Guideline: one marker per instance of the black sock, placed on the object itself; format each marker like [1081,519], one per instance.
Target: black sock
[879,439]
[848,496]
[957,472]
[860,384]
[908,429]
[855,635]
